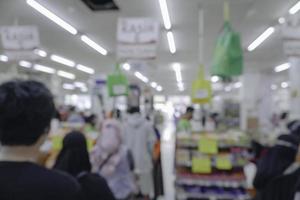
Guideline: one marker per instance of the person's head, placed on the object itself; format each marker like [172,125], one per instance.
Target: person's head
[111,138]
[133,110]
[74,156]
[189,112]
[26,110]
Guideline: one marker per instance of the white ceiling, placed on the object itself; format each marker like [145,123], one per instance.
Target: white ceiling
[249,17]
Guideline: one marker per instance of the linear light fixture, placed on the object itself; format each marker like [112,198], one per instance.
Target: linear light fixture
[68,86]
[165,14]
[126,66]
[238,85]
[180,86]
[141,77]
[3,58]
[171,42]
[93,45]
[50,15]
[284,84]
[85,69]
[281,20]
[62,60]
[25,64]
[159,88]
[267,33]
[67,75]
[40,52]
[293,10]
[282,67]
[154,84]
[177,69]
[43,68]
[79,84]
[214,79]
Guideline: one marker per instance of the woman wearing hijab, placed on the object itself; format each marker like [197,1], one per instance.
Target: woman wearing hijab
[74,159]
[110,159]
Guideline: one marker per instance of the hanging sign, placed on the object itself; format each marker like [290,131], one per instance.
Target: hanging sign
[137,38]
[19,41]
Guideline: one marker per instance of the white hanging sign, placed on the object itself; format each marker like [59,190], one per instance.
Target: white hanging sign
[137,38]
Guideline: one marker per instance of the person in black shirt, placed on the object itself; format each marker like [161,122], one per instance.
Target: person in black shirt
[26,109]
[74,159]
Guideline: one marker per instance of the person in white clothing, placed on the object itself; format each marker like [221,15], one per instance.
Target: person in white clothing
[140,137]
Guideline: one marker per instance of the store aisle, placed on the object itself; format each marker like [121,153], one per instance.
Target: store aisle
[167,148]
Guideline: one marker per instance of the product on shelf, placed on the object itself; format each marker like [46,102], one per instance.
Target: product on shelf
[210,166]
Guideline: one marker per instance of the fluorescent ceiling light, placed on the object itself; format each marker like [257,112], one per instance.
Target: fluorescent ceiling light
[40,52]
[171,42]
[159,88]
[238,85]
[284,84]
[180,86]
[177,69]
[66,75]
[25,64]
[261,38]
[45,69]
[141,77]
[282,67]
[165,14]
[153,84]
[68,86]
[93,44]
[281,20]
[274,87]
[62,60]
[79,84]
[295,8]
[126,66]
[50,15]
[85,69]
[215,79]
[3,58]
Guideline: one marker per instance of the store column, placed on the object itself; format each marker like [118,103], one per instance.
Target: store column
[56,89]
[294,81]
[256,102]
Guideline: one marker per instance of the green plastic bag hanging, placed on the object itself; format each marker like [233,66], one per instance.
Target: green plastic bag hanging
[201,89]
[117,83]
[228,55]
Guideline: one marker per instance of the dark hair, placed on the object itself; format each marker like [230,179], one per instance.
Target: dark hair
[74,156]
[190,109]
[133,110]
[26,109]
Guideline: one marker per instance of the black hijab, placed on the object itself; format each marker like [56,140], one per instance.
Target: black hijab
[74,156]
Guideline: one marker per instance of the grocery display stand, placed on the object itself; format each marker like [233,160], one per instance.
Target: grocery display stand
[210,166]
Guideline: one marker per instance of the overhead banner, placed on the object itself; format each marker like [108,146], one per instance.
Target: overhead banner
[137,38]
[19,41]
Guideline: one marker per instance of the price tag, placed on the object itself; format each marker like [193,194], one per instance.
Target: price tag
[223,162]
[208,145]
[57,143]
[201,165]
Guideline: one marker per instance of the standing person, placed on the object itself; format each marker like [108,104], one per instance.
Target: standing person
[110,159]
[140,138]
[26,109]
[184,124]
[74,159]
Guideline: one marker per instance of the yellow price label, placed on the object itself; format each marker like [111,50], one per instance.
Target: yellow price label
[208,145]
[201,165]
[223,162]
[57,142]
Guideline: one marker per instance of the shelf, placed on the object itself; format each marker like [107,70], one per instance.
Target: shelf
[219,183]
[186,195]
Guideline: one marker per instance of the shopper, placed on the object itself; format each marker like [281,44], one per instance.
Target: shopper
[110,159]
[75,117]
[184,124]
[26,109]
[140,138]
[276,175]
[74,159]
